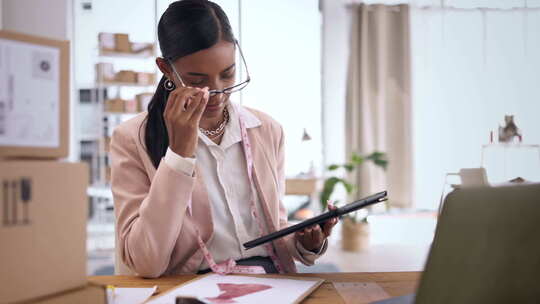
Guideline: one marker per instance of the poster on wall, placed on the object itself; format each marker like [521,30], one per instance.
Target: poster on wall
[215,288]
[33,96]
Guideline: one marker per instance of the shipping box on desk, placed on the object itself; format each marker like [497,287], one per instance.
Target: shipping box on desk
[43,214]
[34,96]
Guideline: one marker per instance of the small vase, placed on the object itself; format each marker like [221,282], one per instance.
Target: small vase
[354,236]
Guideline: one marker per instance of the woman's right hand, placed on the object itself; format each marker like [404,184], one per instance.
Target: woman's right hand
[182,115]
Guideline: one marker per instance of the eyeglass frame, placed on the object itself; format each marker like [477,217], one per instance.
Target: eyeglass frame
[228,90]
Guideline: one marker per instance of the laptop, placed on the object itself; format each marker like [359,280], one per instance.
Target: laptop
[486,249]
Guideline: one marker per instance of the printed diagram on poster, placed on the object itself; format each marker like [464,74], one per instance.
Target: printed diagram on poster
[30,94]
[237,289]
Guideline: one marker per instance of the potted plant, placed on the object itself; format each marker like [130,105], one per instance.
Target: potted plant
[355,227]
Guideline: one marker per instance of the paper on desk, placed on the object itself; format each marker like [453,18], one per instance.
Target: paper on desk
[359,292]
[214,288]
[132,295]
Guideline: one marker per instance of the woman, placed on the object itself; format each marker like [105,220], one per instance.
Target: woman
[197,176]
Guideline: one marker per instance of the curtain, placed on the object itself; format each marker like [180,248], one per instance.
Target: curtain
[378,105]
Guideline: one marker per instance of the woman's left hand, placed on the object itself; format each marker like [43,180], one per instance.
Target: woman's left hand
[312,238]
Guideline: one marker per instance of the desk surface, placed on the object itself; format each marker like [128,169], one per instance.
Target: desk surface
[394,283]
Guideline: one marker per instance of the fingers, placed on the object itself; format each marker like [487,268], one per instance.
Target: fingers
[185,97]
[171,104]
[331,205]
[182,103]
[317,236]
[194,101]
[328,226]
[304,236]
[176,102]
[200,103]
[311,237]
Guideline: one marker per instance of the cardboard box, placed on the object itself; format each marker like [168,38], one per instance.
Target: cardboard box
[122,43]
[90,294]
[126,76]
[146,78]
[143,49]
[131,106]
[42,131]
[118,44]
[105,72]
[43,229]
[144,100]
[106,42]
[115,105]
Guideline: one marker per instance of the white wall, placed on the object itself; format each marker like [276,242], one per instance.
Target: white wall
[281,40]
[335,55]
[468,72]
[47,18]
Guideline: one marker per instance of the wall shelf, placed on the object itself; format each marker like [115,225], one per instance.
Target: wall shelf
[112,54]
[125,84]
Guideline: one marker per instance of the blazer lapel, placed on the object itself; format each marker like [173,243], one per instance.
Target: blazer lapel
[264,178]
[266,185]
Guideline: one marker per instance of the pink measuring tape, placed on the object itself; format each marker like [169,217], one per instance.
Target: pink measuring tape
[229,266]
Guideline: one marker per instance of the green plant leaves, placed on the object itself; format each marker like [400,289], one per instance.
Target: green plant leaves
[357,159]
[378,158]
[349,167]
[328,188]
[333,167]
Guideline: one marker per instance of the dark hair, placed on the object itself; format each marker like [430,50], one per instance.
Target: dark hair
[186,27]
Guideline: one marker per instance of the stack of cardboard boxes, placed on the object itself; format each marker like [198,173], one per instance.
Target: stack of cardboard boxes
[118,43]
[43,207]
[136,105]
[106,74]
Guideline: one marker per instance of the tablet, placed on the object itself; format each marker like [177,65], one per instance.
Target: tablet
[320,219]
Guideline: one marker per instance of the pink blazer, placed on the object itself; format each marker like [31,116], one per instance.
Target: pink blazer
[155,234]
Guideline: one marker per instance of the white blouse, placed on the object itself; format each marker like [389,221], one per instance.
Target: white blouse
[223,169]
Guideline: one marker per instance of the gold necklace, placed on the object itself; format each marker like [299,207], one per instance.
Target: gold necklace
[220,129]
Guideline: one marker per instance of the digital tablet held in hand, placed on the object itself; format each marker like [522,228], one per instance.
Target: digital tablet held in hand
[320,219]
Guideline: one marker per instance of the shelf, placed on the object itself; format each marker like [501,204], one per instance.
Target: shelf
[125,84]
[100,191]
[141,55]
[121,116]
[88,138]
[511,145]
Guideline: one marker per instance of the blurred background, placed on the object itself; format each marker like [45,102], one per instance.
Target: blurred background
[416,97]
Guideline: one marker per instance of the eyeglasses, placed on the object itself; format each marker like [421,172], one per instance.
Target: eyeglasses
[228,90]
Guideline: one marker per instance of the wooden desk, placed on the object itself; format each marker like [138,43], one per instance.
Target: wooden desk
[394,283]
